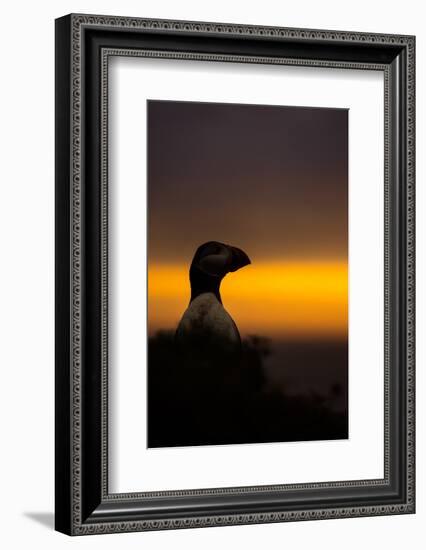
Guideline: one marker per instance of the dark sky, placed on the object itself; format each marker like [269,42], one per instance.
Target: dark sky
[271,180]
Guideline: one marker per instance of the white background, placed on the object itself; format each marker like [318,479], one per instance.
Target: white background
[132,81]
[26,310]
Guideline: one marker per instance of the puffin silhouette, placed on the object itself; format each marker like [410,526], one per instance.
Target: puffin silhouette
[207,334]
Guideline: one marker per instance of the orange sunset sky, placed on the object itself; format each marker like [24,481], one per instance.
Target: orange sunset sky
[270,180]
[294,299]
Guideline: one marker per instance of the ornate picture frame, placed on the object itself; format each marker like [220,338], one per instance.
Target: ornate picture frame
[84,45]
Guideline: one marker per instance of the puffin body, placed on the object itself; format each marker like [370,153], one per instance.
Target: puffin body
[207,334]
[206,323]
[198,393]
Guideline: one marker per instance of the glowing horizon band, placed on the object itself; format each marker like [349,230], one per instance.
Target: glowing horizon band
[269,298]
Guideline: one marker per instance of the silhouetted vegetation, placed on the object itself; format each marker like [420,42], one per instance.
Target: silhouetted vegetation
[230,402]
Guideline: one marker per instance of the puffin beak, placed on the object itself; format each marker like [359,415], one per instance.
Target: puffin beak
[239,258]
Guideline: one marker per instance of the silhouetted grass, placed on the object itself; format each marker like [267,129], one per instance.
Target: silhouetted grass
[230,402]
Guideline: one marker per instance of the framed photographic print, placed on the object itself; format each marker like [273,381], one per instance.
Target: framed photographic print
[234,274]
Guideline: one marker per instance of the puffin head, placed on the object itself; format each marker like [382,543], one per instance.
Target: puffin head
[211,262]
[217,259]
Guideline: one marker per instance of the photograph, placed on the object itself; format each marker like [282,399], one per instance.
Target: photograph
[247,243]
[212,242]
[234,272]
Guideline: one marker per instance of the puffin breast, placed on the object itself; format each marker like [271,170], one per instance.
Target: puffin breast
[207,327]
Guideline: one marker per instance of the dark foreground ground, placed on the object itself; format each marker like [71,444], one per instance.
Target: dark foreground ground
[279,391]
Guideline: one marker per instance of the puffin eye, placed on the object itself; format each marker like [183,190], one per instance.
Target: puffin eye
[213,264]
[213,249]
